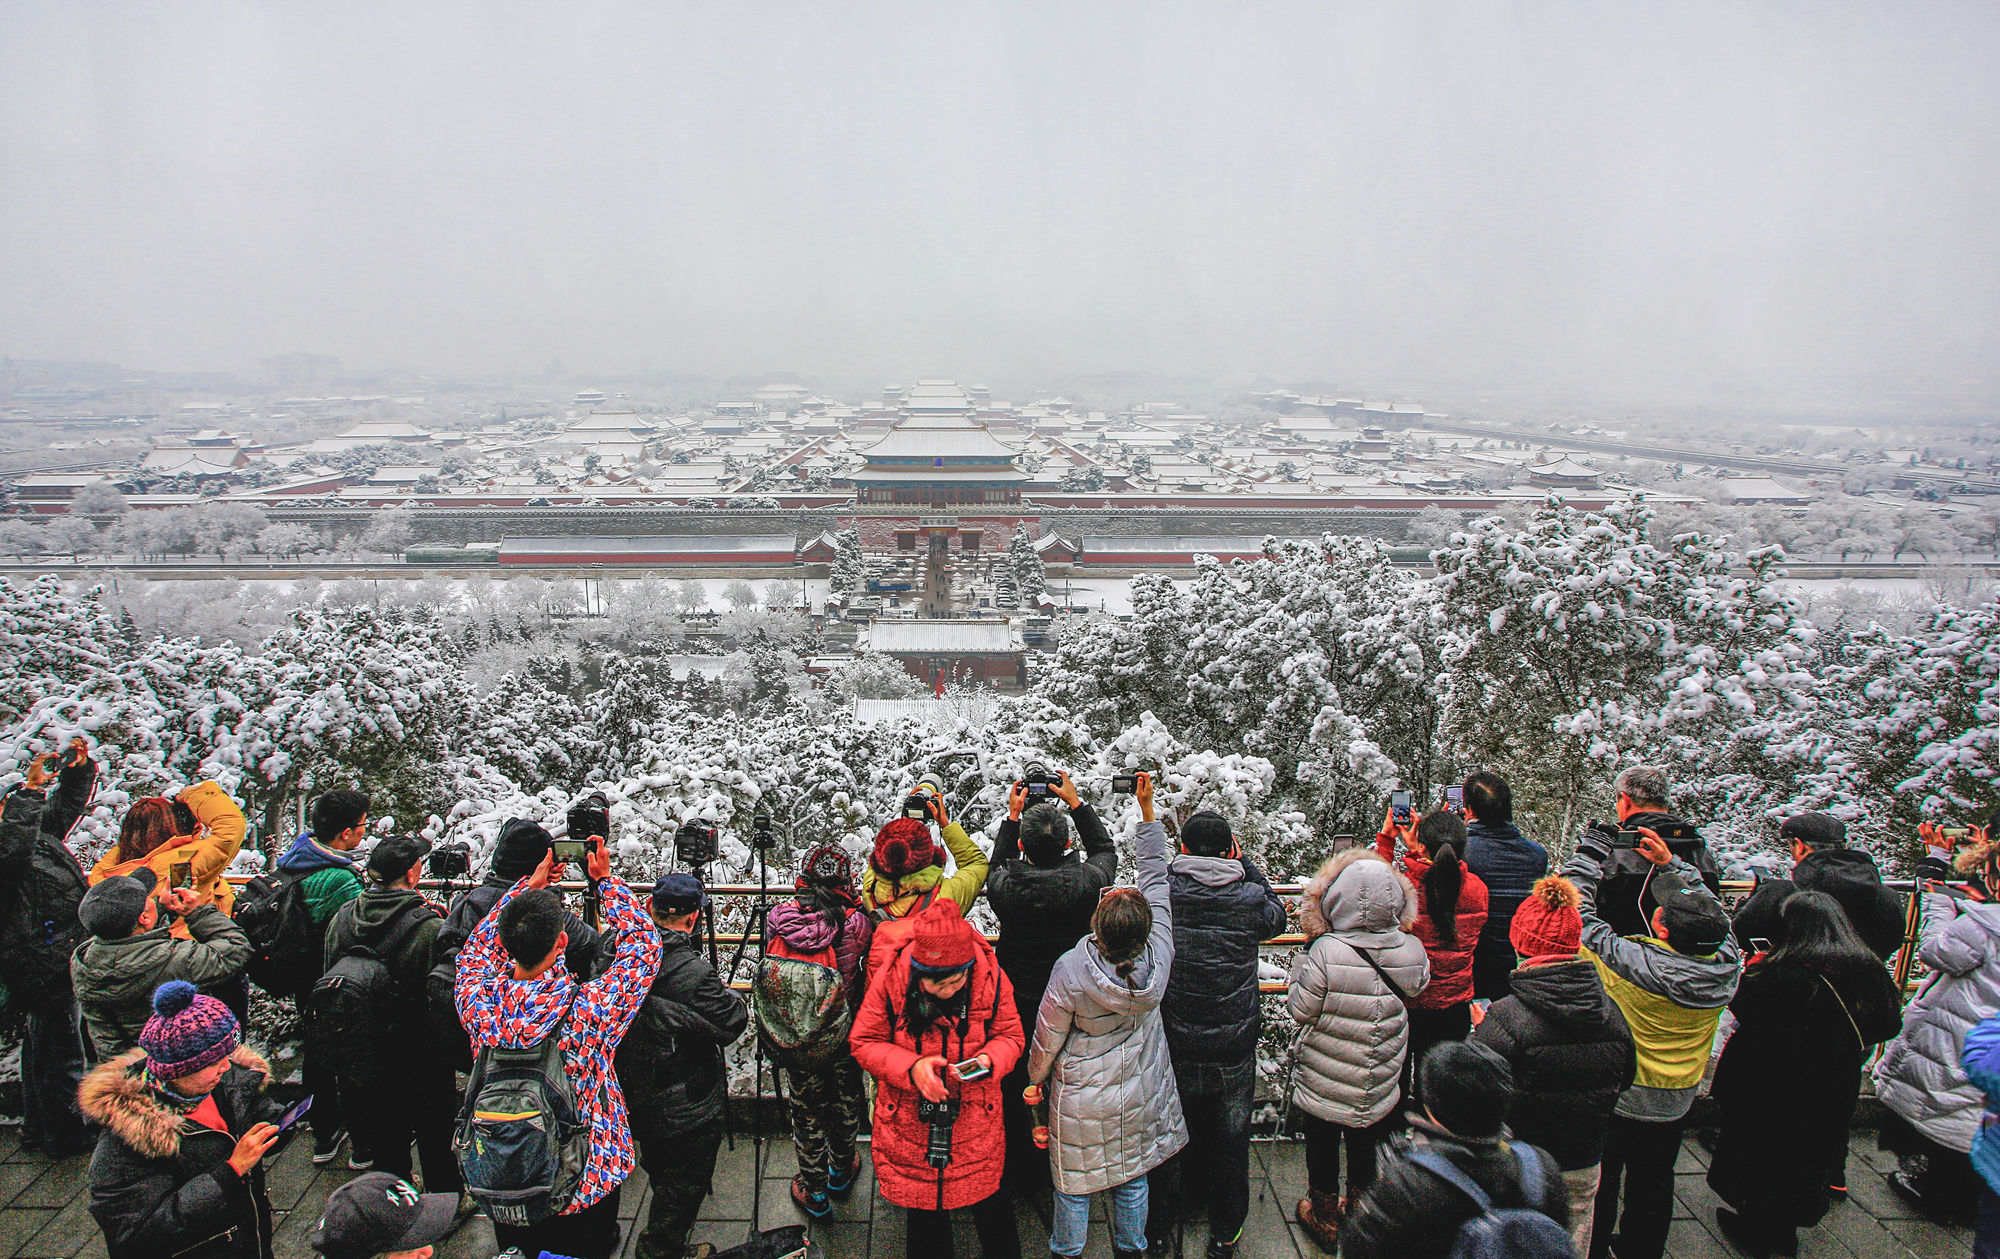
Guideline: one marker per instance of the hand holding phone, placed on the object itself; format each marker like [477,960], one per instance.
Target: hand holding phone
[571,850]
[1400,810]
[971,1069]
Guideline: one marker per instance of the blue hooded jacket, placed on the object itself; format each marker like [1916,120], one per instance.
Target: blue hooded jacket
[1982,1067]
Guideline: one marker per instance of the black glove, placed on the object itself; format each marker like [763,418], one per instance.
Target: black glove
[1595,842]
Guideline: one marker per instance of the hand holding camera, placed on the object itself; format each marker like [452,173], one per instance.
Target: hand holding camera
[40,771]
[1017,800]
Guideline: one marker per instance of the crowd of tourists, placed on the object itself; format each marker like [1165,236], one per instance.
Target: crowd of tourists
[1484,1056]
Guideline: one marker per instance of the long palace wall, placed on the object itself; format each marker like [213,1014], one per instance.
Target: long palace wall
[457,526]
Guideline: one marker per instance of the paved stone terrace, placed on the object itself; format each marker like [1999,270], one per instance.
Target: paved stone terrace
[46,1214]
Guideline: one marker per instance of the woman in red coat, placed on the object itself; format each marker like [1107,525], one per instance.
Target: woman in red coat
[1451,913]
[941,1000]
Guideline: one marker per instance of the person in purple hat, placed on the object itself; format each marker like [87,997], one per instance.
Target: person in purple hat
[186,1123]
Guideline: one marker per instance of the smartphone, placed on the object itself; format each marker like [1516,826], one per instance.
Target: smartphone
[1454,797]
[1399,807]
[1955,832]
[571,850]
[1758,944]
[296,1113]
[1627,839]
[1341,843]
[971,1069]
[1124,784]
[180,874]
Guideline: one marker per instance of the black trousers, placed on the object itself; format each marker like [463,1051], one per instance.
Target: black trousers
[1217,1099]
[1323,1141]
[591,1233]
[318,1079]
[927,1234]
[680,1170]
[421,1106]
[1642,1155]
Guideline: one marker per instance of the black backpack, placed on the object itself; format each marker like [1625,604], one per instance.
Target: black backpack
[284,944]
[39,929]
[356,1011]
[522,1140]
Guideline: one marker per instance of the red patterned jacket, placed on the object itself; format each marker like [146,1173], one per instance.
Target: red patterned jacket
[498,1009]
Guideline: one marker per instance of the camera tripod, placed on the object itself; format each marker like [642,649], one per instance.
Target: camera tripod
[760,910]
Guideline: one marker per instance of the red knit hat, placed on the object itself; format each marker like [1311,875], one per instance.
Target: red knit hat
[944,940]
[902,848]
[1547,924]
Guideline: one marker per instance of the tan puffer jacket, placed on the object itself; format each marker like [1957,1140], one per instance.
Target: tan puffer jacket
[1350,1057]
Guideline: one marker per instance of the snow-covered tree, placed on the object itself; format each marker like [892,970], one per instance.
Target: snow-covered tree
[72,535]
[740,595]
[1575,646]
[848,572]
[389,530]
[1030,576]
[101,498]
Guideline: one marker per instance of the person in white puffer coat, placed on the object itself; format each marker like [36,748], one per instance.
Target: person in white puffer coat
[1920,1077]
[1099,1045]
[1356,911]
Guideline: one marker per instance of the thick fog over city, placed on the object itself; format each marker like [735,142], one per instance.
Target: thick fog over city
[1669,199]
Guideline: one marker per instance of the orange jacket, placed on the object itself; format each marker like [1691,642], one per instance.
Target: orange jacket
[207,853]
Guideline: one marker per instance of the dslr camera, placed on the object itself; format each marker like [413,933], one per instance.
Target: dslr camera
[694,843]
[761,836]
[940,1116]
[590,816]
[450,861]
[917,805]
[1039,781]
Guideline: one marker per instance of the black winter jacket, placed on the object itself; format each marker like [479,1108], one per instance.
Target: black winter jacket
[1045,910]
[160,1183]
[1623,884]
[41,886]
[376,920]
[1846,874]
[460,921]
[1411,1212]
[1572,1055]
[670,1062]
[1223,909]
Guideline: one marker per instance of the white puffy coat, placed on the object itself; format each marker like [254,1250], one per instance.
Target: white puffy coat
[1114,1110]
[1919,1076]
[1350,1058]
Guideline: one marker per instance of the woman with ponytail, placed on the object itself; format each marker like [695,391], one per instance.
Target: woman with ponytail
[1101,1049]
[1451,912]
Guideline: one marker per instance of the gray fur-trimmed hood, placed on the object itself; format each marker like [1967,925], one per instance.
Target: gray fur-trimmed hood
[1357,893]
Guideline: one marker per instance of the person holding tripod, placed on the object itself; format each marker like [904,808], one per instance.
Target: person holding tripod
[938,1029]
[670,1066]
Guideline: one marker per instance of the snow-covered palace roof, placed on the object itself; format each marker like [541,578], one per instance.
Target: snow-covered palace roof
[940,638]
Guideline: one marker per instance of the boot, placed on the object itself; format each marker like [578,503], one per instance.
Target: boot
[1319,1214]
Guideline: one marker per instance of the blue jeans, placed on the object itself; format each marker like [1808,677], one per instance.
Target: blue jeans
[1128,1218]
[1217,1098]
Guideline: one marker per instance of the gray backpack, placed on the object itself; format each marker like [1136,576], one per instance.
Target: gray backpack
[1522,1232]
[521,1140]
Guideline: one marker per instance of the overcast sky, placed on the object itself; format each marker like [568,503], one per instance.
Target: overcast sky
[1539,194]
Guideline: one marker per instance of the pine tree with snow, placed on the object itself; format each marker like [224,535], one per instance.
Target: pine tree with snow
[848,574]
[1030,577]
